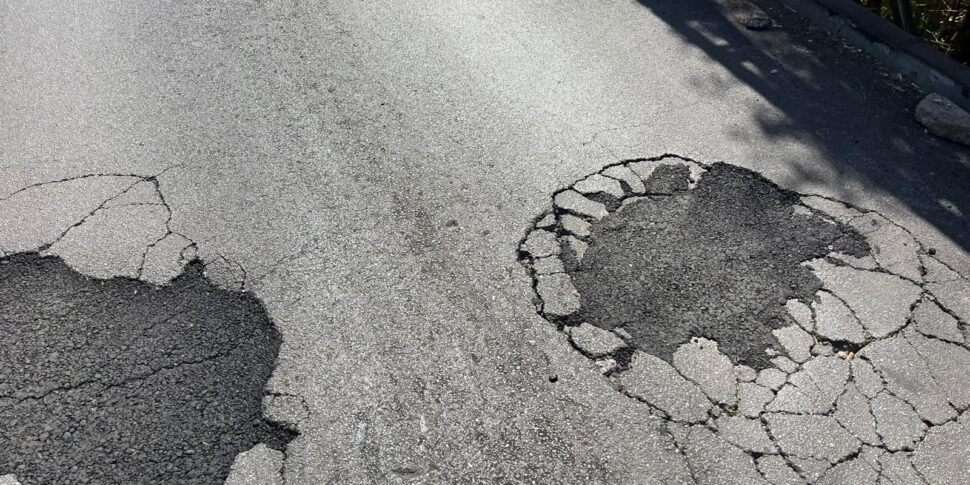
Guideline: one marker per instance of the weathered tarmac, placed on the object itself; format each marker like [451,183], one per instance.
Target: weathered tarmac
[367,172]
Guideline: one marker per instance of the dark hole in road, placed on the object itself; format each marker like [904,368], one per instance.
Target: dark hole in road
[119,381]
[717,261]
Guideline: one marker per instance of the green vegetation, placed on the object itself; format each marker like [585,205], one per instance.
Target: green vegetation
[943,23]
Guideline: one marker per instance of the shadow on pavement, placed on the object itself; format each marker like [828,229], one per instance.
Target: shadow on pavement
[837,101]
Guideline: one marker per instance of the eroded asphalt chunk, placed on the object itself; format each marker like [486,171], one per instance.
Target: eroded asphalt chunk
[785,338]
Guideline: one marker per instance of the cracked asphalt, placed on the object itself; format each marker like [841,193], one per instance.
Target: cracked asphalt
[836,353]
[118,381]
[368,174]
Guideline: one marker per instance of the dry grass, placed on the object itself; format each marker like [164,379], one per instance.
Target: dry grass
[942,23]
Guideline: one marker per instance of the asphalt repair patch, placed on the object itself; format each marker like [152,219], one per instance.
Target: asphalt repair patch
[120,381]
[717,261]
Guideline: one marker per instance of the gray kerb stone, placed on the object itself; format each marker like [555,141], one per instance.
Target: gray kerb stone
[944,118]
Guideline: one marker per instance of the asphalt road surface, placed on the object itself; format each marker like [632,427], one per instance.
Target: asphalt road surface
[368,171]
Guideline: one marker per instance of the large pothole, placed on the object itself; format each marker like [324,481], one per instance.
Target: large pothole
[717,261]
[780,337]
[120,381]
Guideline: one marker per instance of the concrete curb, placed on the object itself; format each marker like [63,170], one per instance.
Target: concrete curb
[929,68]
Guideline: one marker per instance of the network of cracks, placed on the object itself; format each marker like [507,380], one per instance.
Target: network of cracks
[780,337]
[126,357]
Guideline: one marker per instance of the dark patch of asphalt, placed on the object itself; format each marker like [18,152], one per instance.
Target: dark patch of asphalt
[717,261]
[119,381]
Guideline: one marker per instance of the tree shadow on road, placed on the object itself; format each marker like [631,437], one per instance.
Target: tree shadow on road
[837,100]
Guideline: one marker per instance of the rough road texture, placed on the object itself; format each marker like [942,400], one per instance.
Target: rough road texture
[860,331]
[119,381]
[718,261]
[326,147]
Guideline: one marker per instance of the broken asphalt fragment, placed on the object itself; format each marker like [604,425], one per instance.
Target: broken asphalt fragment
[572,201]
[657,383]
